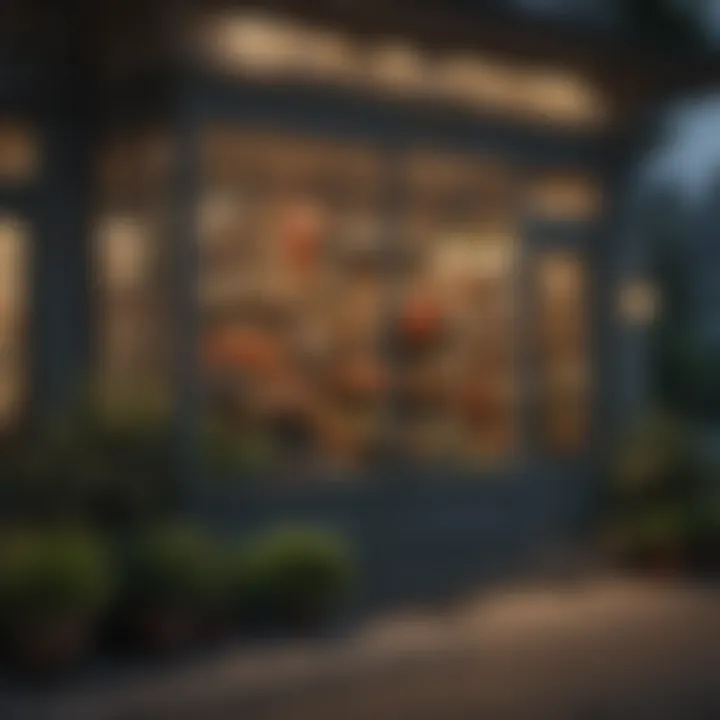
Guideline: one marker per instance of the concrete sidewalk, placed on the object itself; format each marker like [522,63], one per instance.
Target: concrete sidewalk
[603,649]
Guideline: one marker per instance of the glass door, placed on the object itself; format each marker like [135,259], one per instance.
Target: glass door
[14,314]
[457,324]
[562,208]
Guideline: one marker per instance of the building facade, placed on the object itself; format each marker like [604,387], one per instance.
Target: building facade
[378,248]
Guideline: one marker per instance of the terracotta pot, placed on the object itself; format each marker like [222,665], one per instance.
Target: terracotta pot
[51,644]
[164,631]
[706,558]
[659,564]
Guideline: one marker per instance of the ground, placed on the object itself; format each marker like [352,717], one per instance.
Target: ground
[589,651]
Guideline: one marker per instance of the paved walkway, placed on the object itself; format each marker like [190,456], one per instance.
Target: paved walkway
[596,651]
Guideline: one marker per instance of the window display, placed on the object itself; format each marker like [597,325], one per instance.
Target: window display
[132,289]
[291,294]
[19,152]
[564,353]
[564,196]
[14,266]
[457,371]
[317,341]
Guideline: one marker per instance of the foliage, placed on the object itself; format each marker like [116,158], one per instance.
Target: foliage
[170,566]
[51,572]
[658,498]
[653,531]
[655,459]
[229,454]
[292,575]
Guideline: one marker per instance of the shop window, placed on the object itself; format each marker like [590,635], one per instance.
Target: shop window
[14,268]
[456,360]
[291,287]
[639,302]
[564,357]
[131,285]
[133,170]
[19,152]
[132,324]
[564,197]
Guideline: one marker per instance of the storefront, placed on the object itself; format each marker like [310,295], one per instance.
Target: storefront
[375,263]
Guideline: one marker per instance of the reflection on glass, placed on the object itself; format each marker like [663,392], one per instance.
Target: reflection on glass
[132,302]
[564,352]
[132,327]
[290,291]
[639,302]
[134,170]
[19,152]
[456,358]
[565,197]
[14,256]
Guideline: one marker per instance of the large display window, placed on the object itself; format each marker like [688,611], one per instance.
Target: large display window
[353,301]
[292,285]
[130,252]
[14,298]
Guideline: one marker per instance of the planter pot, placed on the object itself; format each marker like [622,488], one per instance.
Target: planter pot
[706,559]
[663,564]
[218,629]
[50,645]
[296,622]
[164,631]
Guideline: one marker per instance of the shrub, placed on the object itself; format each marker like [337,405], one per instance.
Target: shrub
[656,480]
[655,458]
[705,537]
[54,587]
[292,576]
[230,453]
[53,572]
[170,566]
[171,585]
[651,536]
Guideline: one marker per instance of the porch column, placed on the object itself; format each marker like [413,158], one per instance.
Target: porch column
[61,288]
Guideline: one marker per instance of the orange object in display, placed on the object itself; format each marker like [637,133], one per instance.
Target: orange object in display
[421,319]
[242,348]
[301,233]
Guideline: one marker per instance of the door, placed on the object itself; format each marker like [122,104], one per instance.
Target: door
[561,210]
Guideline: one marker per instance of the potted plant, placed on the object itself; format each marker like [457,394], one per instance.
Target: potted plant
[291,579]
[55,586]
[664,537]
[171,580]
[652,542]
[653,487]
[705,540]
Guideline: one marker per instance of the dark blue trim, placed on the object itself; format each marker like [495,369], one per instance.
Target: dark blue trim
[344,114]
